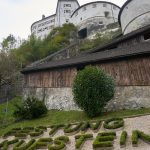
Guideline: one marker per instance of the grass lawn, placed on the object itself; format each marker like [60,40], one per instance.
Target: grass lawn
[60,117]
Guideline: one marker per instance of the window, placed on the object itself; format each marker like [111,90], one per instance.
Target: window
[81,18]
[104,5]
[67,5]
[106,13]
[114,7]
[84,8]
[67,11]
[147,36]
[94,5]
[101,22]
[67,20]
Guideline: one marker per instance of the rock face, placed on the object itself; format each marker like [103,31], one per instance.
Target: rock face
[126,97]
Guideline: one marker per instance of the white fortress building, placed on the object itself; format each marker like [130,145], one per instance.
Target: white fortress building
[134,14]
[94,15]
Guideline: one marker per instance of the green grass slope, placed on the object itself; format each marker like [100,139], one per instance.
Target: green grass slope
[59,117]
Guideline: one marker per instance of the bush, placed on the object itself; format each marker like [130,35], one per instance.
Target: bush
[104,139]
[134,137]
[70,129]
[23,146]
[114,123]
[123,138]
[59,143]
[54,128]
[31,108]
[92,89]
[80,139]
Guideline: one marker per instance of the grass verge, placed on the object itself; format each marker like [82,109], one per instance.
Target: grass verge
[62,117]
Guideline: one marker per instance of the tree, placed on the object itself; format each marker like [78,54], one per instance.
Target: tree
[92,89]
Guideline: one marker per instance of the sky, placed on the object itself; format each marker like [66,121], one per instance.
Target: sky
[16,16]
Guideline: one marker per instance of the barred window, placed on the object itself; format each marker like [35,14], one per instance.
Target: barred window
[94,5]
[104,5]
[67,5]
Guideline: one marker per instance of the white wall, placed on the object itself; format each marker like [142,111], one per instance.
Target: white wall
[64,10]
[135,15]
[43,27]
[95,12]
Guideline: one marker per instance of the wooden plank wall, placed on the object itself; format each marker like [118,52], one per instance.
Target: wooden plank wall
[129,72]
[51,79]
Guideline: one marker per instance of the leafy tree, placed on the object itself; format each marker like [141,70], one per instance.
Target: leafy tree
[92,89]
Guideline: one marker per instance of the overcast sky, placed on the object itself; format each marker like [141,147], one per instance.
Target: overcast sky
[16,16]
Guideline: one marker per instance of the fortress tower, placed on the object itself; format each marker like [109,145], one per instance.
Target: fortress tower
[64,10]
[134,14]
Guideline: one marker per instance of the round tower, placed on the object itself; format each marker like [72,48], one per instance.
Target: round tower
[134,15]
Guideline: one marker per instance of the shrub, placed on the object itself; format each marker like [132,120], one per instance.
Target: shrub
[18,144]
[85,126]
[95,125]
[134,137]
[80,139]
[113,123]
[69,128]
[144,136]
[34,134]
[25,146]
[123,138]
[21,135]
[28,128]
[54,129]
[5,144]
[30,108]
[9,133]
[107,134]
[92,89]
[97,144]
[59,143]
[104,139]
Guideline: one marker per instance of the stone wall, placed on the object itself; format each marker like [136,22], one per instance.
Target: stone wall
[126,97]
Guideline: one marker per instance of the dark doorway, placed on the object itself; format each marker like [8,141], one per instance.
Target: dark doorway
[82,33]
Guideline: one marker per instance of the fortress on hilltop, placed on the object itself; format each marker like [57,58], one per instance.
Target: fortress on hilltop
[88,17]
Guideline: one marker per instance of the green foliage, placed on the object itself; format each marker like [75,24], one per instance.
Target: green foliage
[107,134]
[144,136]
[5,144]
[113,123]
[80,139]
[21,135]
[92,89]
[34,49]
[95,125]
[97,144]
[54,128]
[59,143]
[98,40]
[104,139]
[23,146]
[30,108]
[123,138]
[134,137]
[34,134]
[70,129]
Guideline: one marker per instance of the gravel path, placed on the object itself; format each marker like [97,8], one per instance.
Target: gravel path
[140,123]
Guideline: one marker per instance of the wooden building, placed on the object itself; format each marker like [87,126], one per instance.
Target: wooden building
[126,58]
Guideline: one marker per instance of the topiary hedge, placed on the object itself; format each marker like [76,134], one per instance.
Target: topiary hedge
[92,89]
[80,139]
[113,123]
[123,138]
